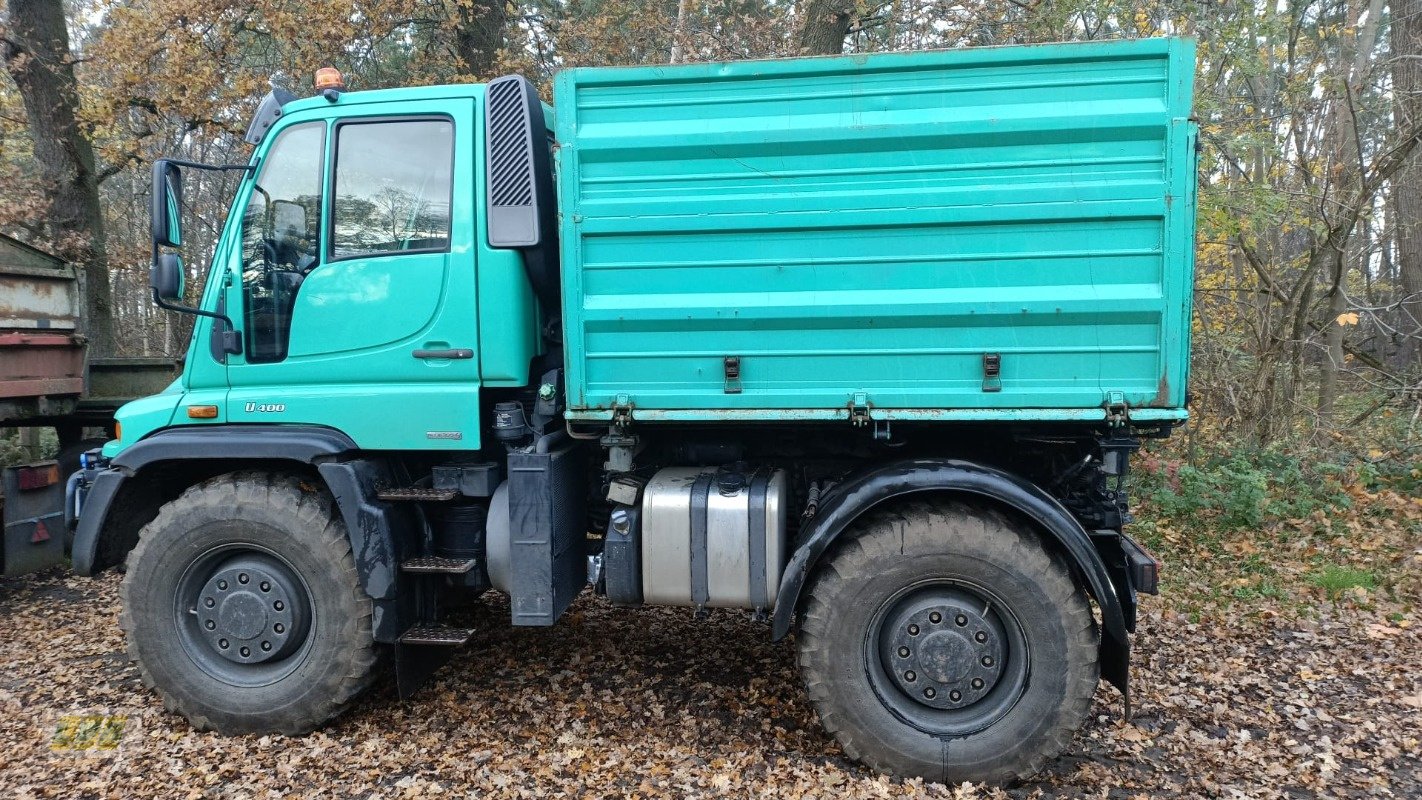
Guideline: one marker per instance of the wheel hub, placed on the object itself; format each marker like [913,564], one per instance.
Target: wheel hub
[251,612]
[942,650]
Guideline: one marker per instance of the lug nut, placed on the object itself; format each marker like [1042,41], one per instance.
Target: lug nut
[980,636]
[935,618]
[279,628]
[242,578]
[910,676]
[222,585]
[279,605]
[987,661]
[246,652]
[223,643]
[977,683]
[961,620]
[266,646]
[266,587]
[211,625]
[955,695]
[929,693]
[209,602]
[913,630]
[903,652]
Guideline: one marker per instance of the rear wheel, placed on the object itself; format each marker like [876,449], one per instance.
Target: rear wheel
[943,641]
[243,609]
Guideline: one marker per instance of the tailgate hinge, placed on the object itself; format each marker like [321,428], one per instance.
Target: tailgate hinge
[622,411]
[859,410]
[1118,411]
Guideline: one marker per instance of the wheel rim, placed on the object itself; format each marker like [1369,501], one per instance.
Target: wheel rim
[244,615]
[947,656]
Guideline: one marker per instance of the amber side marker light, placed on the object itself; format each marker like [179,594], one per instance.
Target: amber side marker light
[202,412]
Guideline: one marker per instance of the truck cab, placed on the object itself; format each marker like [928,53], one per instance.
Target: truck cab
[356,272]
[859,346]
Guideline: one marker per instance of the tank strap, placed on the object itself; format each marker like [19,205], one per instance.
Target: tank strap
[755,509]
[700,497]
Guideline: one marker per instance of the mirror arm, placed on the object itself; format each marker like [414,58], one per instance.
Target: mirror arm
[231,343]
[214,167]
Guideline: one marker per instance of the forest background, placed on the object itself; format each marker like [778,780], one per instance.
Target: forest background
[1306,379]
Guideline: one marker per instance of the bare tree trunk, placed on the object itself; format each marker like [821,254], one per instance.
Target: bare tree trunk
[480,35]
[1407,184]
[824,26]
[1333,338]
[35,46]
[678,53]
[1344,159]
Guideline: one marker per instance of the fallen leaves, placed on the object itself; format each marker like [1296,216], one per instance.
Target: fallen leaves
[650,703]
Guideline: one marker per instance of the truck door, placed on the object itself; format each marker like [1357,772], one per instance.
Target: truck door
[357,290]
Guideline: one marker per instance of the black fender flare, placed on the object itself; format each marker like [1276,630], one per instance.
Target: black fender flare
[370,524]
[864,490]
[304,443]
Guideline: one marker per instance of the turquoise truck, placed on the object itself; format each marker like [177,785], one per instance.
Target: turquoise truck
[859,345]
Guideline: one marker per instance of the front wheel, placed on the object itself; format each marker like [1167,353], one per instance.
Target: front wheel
[943,641]
[243,609]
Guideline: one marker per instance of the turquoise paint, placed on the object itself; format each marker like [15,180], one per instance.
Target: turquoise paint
[356,321]
[891,414]
[876,224]
[867,225]
[509,316]
[144,416]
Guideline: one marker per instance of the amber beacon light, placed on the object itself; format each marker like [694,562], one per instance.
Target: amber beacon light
[329,78]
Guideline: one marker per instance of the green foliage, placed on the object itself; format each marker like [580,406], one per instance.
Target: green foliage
[12,453]
[1245,489]
[1335,579]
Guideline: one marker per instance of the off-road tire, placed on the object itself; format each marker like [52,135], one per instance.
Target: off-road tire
[286,521]
[947,541]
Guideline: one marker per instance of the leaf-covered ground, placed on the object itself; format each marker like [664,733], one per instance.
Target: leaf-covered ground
[652,703]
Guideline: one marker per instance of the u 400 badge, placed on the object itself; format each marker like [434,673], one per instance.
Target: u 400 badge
[265,408]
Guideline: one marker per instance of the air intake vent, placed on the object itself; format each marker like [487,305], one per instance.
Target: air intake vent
[512,182]
[519,185]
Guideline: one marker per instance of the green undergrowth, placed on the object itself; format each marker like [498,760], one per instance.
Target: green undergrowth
[1274,531]
[11,453]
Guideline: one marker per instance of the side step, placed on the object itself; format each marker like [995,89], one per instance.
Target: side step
[437,636]
[428,565]
[423,649]
[417,494]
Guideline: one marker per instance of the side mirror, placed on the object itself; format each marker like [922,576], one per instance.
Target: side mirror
[167,277]
[167,204]
[289,219]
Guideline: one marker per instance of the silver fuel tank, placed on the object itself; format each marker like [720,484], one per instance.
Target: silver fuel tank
[713,537]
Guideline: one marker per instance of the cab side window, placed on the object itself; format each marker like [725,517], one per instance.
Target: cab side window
[391,191]
[280,237]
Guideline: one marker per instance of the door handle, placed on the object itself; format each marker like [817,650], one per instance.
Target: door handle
[458,352]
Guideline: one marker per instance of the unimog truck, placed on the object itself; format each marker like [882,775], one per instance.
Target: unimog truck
[860,346]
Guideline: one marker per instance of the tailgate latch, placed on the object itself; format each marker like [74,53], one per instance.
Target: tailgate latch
[992,372]
[732,368]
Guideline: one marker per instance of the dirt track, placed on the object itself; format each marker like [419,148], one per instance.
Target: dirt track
[653,704]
